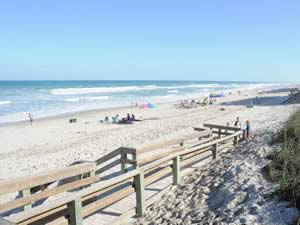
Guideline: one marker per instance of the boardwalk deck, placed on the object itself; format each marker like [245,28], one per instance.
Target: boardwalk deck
[112,214]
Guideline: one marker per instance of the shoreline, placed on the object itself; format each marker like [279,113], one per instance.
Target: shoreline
[29,149]
[128,107]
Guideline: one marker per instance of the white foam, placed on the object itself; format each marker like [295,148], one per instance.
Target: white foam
[76,91]
[5,102]
[87,98]
[174,91]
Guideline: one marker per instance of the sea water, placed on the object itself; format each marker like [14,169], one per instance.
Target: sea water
[50,98]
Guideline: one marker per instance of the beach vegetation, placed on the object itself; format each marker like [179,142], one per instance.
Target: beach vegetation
[284,168]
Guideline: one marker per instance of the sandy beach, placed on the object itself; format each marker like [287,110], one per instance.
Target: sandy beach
[54,142]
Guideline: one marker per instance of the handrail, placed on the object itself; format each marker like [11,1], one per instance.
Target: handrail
[154,170]
[18,184]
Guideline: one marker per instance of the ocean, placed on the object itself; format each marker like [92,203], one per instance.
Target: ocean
[51,98]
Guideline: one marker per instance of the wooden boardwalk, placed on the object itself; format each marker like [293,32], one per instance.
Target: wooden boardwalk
[130,181]
[120,212]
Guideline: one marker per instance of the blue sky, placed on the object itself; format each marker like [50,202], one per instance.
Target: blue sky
[184,40]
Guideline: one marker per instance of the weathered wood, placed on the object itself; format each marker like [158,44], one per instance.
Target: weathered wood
[123,164]
[176,170]
[75,208]
[26,193]
[108,166]
[18,184]
[5,222]
[159,155]
[212,126]
[109,156]
[45,210]
[140,194]
[106,201]
[168,143]
[158,175]
[235,140]
[159,145]
[215,151]
[47,193]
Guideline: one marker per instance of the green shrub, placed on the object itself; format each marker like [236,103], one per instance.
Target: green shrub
[284,168]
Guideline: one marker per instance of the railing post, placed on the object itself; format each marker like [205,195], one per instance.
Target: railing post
[26,193]
[140,194]
[123,164]
[215,151]
[220,130]
[235,140]
[134,157]
[75,208]
[176,170]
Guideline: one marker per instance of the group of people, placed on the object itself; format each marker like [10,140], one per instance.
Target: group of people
[246,129]
[116,119]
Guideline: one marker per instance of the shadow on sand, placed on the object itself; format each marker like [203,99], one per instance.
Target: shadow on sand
[259,101]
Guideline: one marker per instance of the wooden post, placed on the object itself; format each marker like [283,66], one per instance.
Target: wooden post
[134,157]
[176,170]
[220,130]
[123,164]
[26,193]
[140,194]
[75,208]
[215,151]
[235,140]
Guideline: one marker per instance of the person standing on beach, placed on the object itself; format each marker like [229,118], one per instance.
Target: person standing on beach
[30,118]
[238,122]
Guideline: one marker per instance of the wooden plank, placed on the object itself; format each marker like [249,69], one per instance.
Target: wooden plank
[221,127]
[109,156]
[129,161]
[106,201]
[108,166]
[161,144]
[18,184]
[62,202]
[158,175]
[159,155]
[5,222]
[107,189]
[129,150]
[140,194]
[47,193]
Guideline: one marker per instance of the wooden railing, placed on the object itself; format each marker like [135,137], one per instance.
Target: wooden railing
[72,209]
[34,188]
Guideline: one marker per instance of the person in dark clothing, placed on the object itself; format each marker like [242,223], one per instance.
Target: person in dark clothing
[237,122]
[128,117]
[133,117]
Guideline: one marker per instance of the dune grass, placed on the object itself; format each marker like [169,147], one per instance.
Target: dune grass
[284,168]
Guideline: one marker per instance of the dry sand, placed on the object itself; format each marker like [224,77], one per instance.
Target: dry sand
[54,143]
[231,190]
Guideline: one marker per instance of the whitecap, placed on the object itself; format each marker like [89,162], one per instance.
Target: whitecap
[5,102]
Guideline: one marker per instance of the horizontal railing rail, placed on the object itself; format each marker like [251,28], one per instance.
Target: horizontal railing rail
[73,208]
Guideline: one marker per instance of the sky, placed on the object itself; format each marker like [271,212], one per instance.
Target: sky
[257,40]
